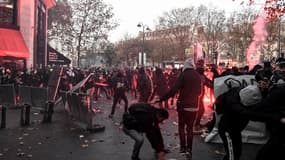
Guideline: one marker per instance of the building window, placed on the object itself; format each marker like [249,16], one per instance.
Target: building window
[8,12]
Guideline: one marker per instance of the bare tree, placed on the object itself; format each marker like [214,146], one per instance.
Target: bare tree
[128,49]
[239,33]
[92,20]
[180,26]
[60,24]
[213,22]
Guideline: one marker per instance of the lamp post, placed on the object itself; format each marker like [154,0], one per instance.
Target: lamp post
[144,27]
[279,37]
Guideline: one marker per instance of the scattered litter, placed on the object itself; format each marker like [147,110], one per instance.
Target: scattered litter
[39,143]
[20,154]
[21,143]
[81,136]
[219,152]
[93,140]
[36,113]
[25,134]
[1,154]
[20,138]
[117,124]
[96,110]
[29,156]
[86,141]
[84,145]
[175,123]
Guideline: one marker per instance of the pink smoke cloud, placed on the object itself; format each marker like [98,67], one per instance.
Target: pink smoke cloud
[260,34]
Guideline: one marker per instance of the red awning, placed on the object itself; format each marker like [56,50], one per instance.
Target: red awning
[12,44]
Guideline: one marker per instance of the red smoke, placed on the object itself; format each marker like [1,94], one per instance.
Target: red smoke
[260,34]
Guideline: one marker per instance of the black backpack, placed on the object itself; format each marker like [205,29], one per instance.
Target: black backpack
[129,121]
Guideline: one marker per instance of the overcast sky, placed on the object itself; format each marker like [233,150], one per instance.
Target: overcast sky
[129,13]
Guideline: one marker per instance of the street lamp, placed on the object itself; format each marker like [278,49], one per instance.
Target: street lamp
[144,27]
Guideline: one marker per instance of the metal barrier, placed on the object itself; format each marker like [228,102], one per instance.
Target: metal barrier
[7,94]
[34,96]
[7,98]
[80,107]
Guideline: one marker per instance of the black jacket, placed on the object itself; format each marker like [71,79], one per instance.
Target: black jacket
[272,109]
[189,86]
[228,104]
[235,116]
[146,122]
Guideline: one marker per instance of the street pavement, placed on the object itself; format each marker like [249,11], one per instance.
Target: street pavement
[64,139]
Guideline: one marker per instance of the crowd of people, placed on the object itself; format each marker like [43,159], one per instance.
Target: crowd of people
[185,86]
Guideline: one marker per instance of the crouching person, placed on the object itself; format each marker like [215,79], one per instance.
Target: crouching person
[144,118]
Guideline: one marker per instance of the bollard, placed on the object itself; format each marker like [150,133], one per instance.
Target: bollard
[45,114]
[22,122]
[48,112]
[25,115]
[3,116]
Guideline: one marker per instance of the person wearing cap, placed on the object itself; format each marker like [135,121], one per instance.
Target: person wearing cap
[231,105]
[189,87]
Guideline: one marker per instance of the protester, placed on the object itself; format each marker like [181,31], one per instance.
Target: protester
[160,86]
[144,85]
[273,106]
[232,122]
[189,87]
[278,76]
[120,89]
[236,107]
[144,118]
[205,82]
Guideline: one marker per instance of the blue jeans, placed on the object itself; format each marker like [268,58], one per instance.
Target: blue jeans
[138,137]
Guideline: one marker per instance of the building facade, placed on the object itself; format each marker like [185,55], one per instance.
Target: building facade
[23,32]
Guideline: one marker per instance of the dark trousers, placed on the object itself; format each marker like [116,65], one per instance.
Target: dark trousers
[186,119]
[200,112]
[273,149]
[138,138]
[232,141]
[118,97]
[230,128]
